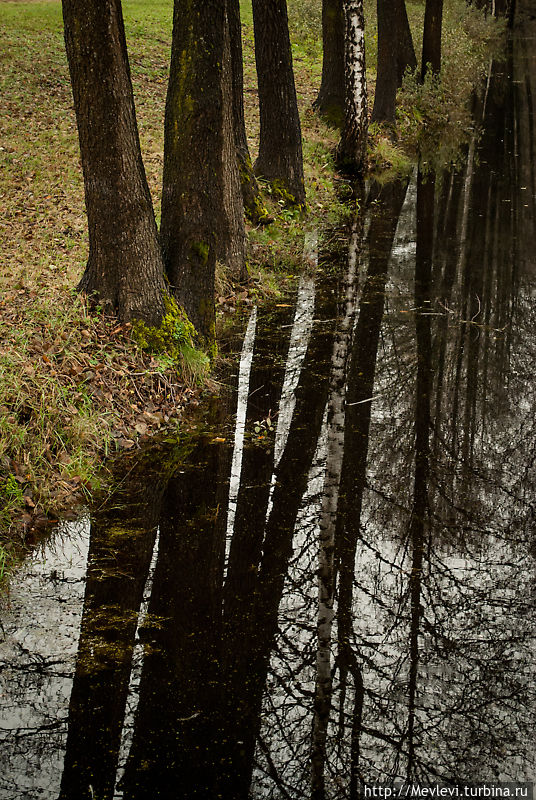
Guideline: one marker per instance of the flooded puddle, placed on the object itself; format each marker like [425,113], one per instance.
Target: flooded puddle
[331,582]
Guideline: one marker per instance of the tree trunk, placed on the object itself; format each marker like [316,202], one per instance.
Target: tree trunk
[330,100]
[232,245]
[124,271]
[194,183]
[352,149]
[406,50]
[250,188]
[280,158]
[431,40]
[505,8]
[394,37]
[387,68]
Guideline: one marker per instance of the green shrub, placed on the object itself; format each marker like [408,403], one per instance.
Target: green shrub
[434,117]
[305,20]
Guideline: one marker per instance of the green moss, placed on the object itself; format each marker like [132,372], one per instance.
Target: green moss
[174,340]
[259,213]
[279,190]
[255,210]
[201,250]
[213,347]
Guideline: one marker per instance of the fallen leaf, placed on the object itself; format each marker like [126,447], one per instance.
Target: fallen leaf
[124,444]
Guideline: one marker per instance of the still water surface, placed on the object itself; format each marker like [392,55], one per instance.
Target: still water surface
[330,579]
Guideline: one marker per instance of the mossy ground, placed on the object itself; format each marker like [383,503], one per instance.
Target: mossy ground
[75,386]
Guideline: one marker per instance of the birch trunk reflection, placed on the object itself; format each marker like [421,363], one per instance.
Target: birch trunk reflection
[246,658]
[384,219]
[328,512]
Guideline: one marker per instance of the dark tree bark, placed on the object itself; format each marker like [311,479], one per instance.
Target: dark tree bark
[395,54]
[431,40]
[124,271]
[250,189]
[387,68]
[194,231]
[280,159]
[352,149]
[330,100]
[406,50]
[232,244]
[505,8]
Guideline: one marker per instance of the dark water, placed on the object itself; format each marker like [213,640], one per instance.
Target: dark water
[330,581]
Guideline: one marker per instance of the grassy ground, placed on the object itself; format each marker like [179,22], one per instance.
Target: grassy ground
[74,387]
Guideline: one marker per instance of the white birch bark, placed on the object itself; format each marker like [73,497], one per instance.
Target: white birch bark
[244,374]
[328,516]
[352,149]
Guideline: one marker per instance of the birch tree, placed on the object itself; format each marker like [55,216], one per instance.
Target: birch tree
[352,149]
[328,516]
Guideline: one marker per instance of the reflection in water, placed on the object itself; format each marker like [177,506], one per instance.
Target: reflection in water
[121,547]
[176,720]
[342,588]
